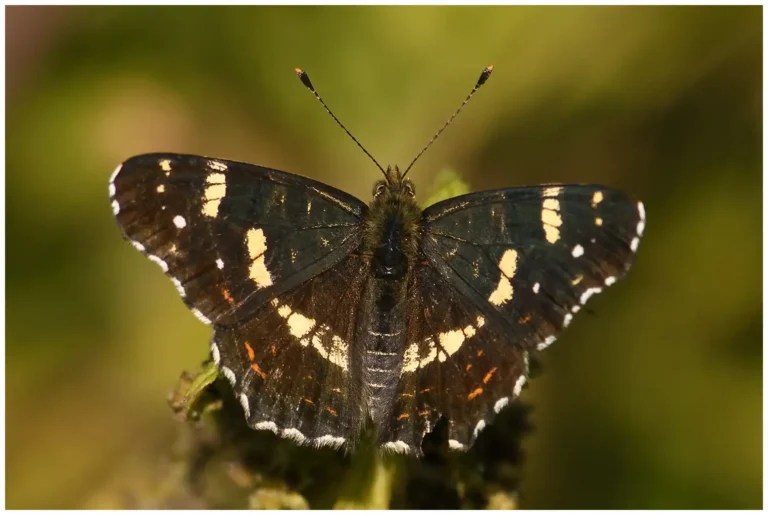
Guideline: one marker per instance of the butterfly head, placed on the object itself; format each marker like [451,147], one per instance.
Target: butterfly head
[393,185]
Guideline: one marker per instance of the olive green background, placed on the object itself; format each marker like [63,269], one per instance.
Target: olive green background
[652,401]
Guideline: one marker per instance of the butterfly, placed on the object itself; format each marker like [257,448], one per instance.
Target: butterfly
[328,311]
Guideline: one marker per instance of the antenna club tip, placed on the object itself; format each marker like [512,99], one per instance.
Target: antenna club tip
[304,78]
[484,76]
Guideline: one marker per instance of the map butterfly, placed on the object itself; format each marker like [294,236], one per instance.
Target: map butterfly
[328,311]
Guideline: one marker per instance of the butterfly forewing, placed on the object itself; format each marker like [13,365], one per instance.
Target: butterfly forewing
[232,236]
[531,257]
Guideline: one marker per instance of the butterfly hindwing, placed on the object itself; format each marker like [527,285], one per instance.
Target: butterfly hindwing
[230,235]
[289,363]
[456,364]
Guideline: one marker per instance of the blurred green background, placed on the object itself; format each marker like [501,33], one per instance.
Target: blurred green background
[652,402]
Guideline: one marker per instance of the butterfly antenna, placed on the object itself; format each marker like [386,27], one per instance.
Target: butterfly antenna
[304,78]
[483,77]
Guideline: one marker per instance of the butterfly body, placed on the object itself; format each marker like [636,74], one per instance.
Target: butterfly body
[392,235]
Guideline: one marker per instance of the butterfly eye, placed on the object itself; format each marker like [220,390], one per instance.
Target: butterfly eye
[379,189]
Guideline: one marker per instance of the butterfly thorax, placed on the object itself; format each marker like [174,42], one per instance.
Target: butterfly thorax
[391,244]
[392,227]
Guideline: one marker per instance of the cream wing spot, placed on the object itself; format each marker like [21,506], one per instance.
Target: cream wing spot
[456,445]
[204,319]
[551,216]
[552,191]
[500,404]
[215,353]
[578,251]
[115,172]
[161,188]
[610,280]
[478,428]
[508,263]
[546,343]
[502,293]
[159,261]
[165,165]
[508,267]
[588,293]
[294,434]
[215,190]
[551,204]
[229,375]
[115,207]
[267,426]
[217,165]
[450,342]
[179,222]
[244,403]
[329,441]
[641,223]
[179,287]
[112,190]
[634,244]
[552,234]
[551,221]
[536,287]
[219,264]
[597,197]
[339,353]
[299,325]
[256,242]
[410,359]
[398,447]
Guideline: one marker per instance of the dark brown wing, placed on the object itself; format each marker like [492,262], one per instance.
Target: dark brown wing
[231,236]
[269,259]
[289,363]
[458,365]
[504,273]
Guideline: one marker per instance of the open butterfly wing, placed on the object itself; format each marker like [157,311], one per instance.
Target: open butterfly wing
[504,272]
